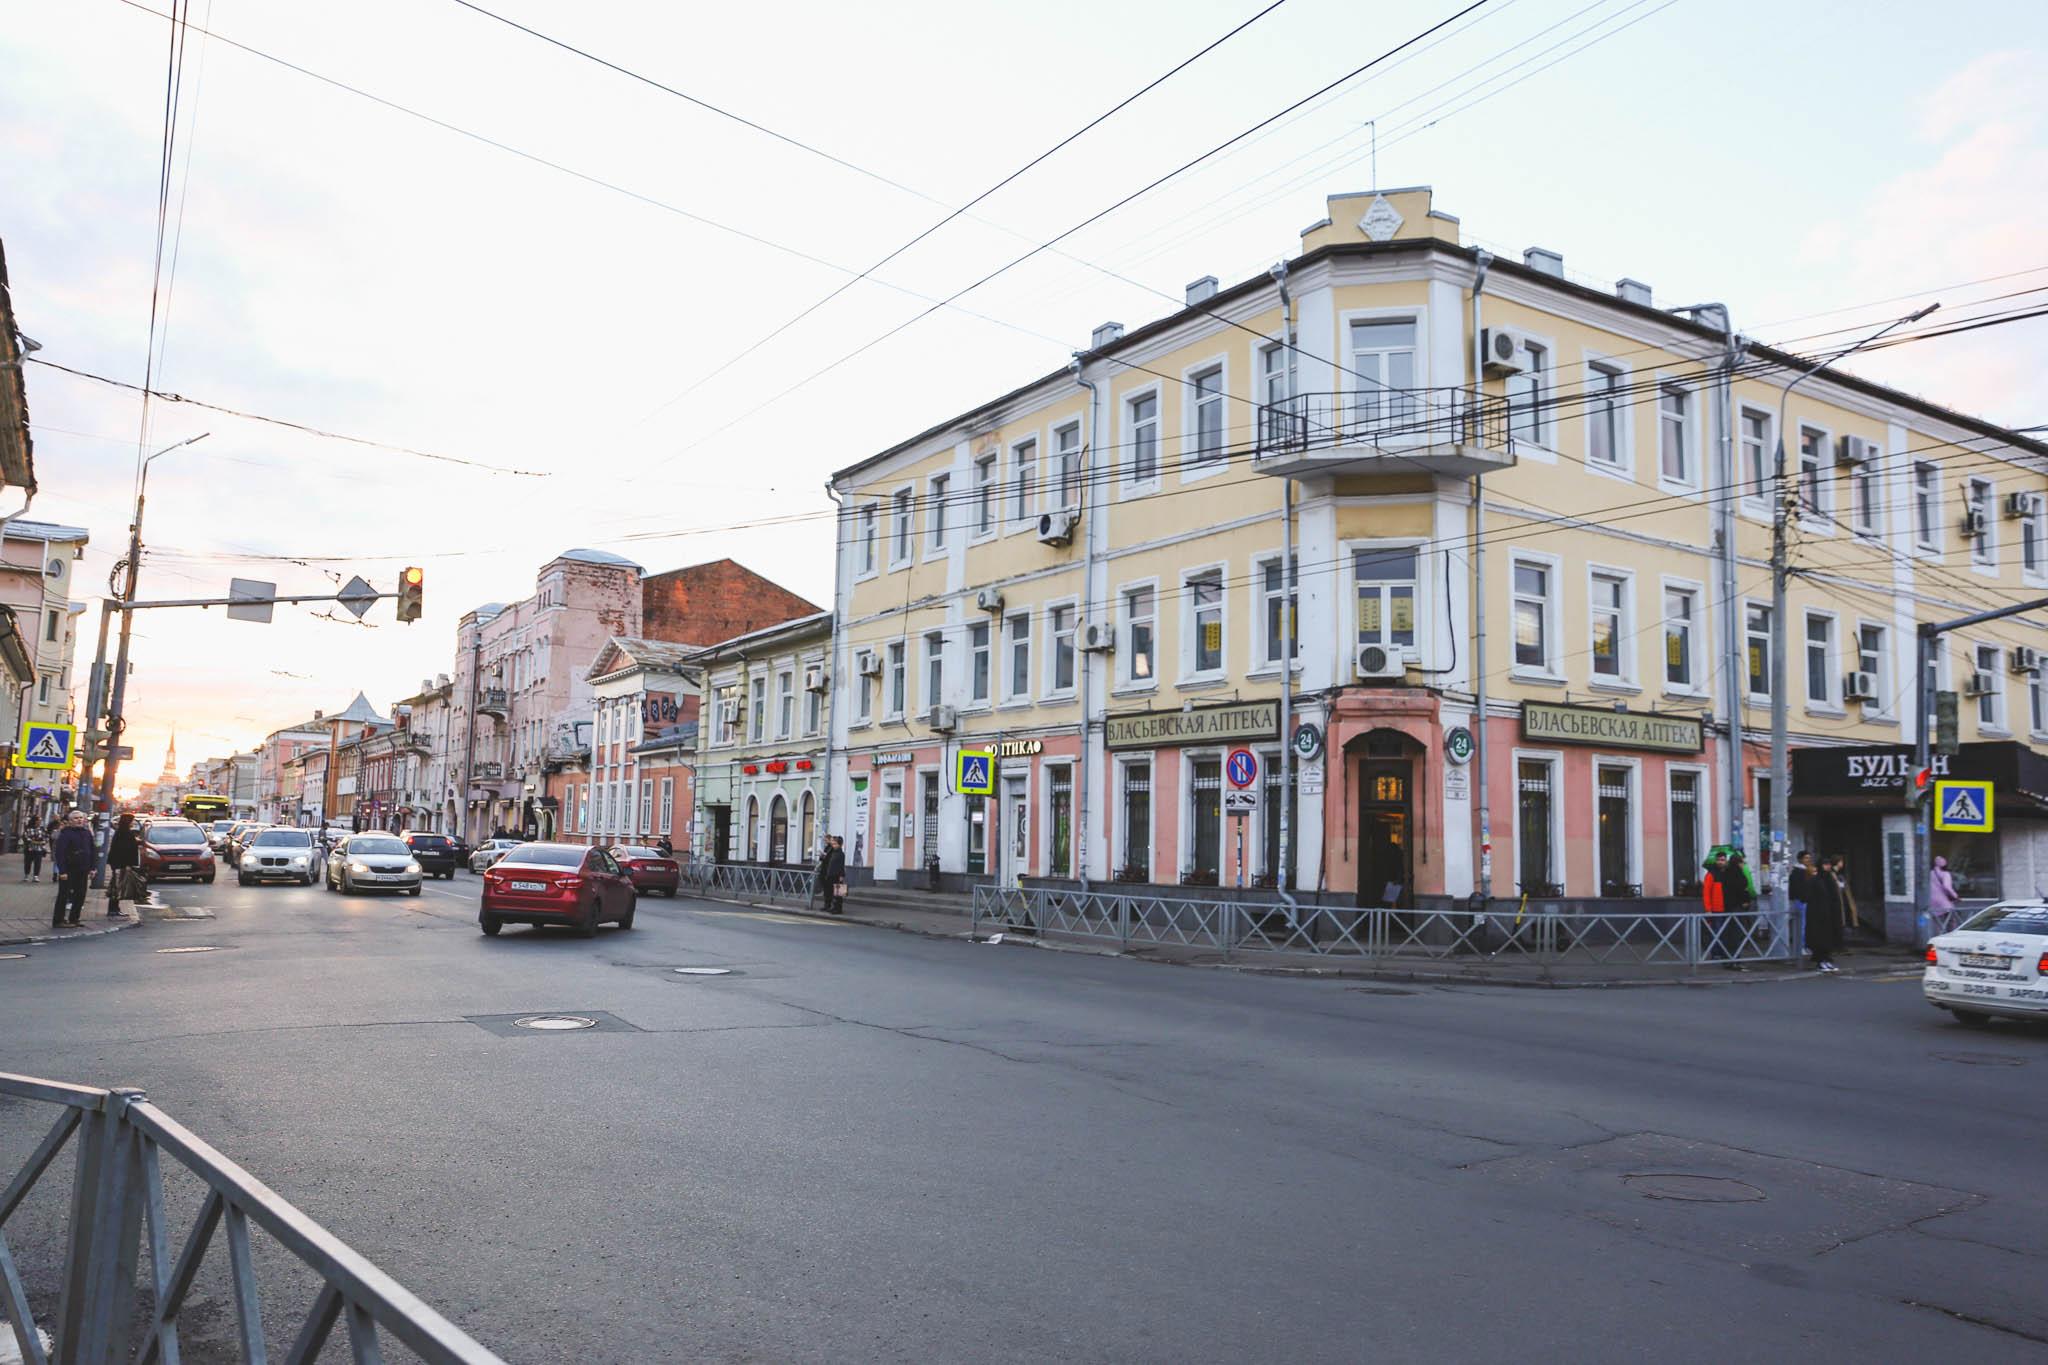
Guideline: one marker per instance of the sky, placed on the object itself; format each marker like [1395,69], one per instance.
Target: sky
[551,268]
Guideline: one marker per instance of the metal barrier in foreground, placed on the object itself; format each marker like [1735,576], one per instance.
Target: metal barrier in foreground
[117,1210]
[748,881]
[1680,938]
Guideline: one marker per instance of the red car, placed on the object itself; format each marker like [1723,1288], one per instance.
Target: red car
[565,884]
[650,868]
[176,849]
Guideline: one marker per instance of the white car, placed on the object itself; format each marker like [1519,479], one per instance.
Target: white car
[279,854]
[1994,964]
[489,851]
[372,861]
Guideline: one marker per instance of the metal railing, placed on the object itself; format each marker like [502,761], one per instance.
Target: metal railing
[117,1211]
[749,881]
[1390,419]
[1677,938]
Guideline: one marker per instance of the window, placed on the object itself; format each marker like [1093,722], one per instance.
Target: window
[1383,370]
[934,668]
[1066,454]
[1208,406]
[2030,537]
[646,806]
[1758,629]
[1615,840]
[864,696]
[1533,825]
[668,806]
[1685,832]
[1019,629]
[1674,433]
[1205,816]
[583,807]
[1270,806]
[2037,701]
[1385,583]
[1680,605]
[814,708]
[1205,621]
[985,495]
[1756,454]
[1059,625]
[1820,659]
[1273,392]
[43,688]
[1927,507]
[1143,421]
[1983,547]
[899,681]
[1610,627]
[1866,498]
[1139,624]
[1137,822]
[901,515]
[1813,450]
[1532,615]
[867,538]
[1872,658]
[785,705]
[808,825]
[1024,482]
[1991,701]
[1528,419]
[50,624]
[935,520]
[1060,809]
[978,661]
[758,729]
[1277,612]
[1605,436]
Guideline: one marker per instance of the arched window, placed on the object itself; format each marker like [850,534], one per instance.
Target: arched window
[753,825]
[778,830]
[807,828]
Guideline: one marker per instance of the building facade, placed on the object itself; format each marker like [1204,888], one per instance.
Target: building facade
[763,728]
[38,561]
[644,693]
[1277,521]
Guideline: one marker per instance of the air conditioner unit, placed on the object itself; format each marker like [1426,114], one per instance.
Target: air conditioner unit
[1506,351]
[1973,524]
[1979,685]
[1855,450]
[945,719]
[814,679]
[989,599]
[1859,687]
[2019,506]
[1057,528]
[2025,660]
[1098,637]
[1381,661]
[868,663]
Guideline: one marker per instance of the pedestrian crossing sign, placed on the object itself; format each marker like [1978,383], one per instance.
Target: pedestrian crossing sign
[1963,807]
[974,772]
[45,745]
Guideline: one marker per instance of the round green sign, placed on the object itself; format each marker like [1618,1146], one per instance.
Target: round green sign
[1458,745]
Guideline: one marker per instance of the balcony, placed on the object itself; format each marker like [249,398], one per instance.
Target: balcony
[416,742]
[493,701]
[1439,431]
[487,770]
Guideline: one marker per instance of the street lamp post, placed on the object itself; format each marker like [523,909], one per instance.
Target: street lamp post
[1783,500]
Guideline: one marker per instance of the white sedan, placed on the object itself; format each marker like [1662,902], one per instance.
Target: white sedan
[1994,964]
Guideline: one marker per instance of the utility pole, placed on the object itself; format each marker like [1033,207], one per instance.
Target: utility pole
[1784,497]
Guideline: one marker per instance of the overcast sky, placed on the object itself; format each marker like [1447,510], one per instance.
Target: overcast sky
[352,267]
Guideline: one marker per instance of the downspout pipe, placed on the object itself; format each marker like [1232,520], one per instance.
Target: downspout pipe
[1285,862]
[1082,816]
[1482,261]
[831,665]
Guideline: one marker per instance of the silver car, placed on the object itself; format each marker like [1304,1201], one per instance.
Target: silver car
[490,850]
[279,855]
[372,862]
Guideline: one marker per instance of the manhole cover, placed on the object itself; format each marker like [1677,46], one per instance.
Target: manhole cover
[193,948]
[703,971]
[1980,1058]
[1693,1189]
[554,1023]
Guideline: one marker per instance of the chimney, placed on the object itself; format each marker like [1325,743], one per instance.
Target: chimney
[1105,334]
[1202,290]
[1549,262]
[1632,291]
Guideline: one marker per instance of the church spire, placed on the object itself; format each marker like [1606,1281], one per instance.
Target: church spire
[170,772]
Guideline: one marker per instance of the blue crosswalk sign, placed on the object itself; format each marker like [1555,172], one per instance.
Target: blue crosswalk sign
[1963,807]
[974,773]
[45,746]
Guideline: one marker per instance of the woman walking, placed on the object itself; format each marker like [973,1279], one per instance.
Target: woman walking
[124,864]
[32,850]
[1823,917]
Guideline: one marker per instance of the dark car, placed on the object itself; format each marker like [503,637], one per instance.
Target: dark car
[650,868]
[435,853]
[565,884]
[176,849]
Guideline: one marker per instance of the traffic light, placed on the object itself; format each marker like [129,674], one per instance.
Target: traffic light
[410,583]
[1919,786]
[1946,735]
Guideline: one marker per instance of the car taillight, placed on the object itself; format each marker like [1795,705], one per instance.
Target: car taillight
[2041,967]
[568,883]
[1931,954]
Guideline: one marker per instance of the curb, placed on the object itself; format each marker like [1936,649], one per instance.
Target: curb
[99,930]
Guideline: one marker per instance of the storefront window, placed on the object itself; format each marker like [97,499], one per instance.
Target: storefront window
[1615,833]
[891,836]
[1206,813]
[930,805]
[1061,783]
[1269,820]
[1138,821]
[1685,833]
[1532,777]
[807,829]
[778,830]
[753,823]
[1972,861]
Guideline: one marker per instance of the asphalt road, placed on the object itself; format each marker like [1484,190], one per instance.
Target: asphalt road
[866,1145]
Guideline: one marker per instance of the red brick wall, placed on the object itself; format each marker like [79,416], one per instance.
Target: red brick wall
[706,603]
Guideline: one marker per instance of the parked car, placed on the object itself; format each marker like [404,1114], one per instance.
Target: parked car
[650,868]
[435,853]
[564,884]
[176,849]
[279,854]
[490,850]
[1993,965]
[373,861]
[239,837]
[217,835]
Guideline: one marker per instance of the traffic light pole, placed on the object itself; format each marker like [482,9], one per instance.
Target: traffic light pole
[1923,818]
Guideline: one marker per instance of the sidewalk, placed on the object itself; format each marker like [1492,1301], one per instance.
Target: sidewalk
[25,908]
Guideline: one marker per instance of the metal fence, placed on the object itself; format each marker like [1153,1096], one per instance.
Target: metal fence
[117,1211]
[1383,418]
[1680,938]
[748,881]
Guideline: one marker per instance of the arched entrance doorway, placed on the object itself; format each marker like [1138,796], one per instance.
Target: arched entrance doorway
[778,830]
[1382,764]
[753,827]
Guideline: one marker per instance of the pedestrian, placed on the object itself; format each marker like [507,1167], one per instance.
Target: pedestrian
[1796,884]
[1823,918]
[124,865]
[1738,898]
[32,850]
[73,855]
[664,847]
[831,876]
[1941,887]
[1852,918]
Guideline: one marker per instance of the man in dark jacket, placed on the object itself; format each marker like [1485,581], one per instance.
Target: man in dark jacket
[73,856]
[1823,917]
[832,871]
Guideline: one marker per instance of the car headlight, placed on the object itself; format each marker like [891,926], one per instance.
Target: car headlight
[412,867]
[363,868]
[299,861]
[248,860]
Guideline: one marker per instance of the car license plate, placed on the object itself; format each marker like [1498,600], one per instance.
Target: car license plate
[1983,960]
[529,886]
[177,867]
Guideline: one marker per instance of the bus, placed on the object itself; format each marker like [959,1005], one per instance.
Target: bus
[202,809]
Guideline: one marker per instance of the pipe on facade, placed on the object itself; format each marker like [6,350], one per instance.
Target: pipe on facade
[1284,865]
[1482,259]
[1081,812]
[831,669]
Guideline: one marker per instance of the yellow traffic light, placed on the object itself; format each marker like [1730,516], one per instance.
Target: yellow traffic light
[410,585]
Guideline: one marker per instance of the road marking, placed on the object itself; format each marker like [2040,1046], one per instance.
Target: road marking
[774,917]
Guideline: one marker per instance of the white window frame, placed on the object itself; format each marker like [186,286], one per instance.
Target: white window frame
[1925,481]
[646,807]
[1831,666]
[1861,477]
[1188,629]
[785,704]
[934,652]
[1553,622]
[1348,374]
[2037,705]
[988,493]
[1819,519]
[896,679]
[2000,723]
[1634,765]
[757,708]
[1264,660]
[1703,797]
[1885,671]
[668,804]
[1424,605]
[1560,856]
[1537,388]
[1756,493]
[1764,696]
[1624,634]
[1010,696]
[1984,549]
[1048,769]
[1050,683]
[1697,645]
[1068,480]
[1126,652]
[2036,521]
[902,526]
[937,525]
[1689,444]
[815,708]
[1021,501]
[1128,480]
[1592,365]
[1194,464]
[992,633]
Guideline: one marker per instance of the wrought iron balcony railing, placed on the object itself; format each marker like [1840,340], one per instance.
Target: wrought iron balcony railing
[1391,420]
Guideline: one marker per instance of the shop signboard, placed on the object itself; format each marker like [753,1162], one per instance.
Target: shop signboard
[1556,723]
[1256,720]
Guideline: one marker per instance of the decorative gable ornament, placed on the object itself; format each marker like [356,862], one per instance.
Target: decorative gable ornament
[1382,220]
